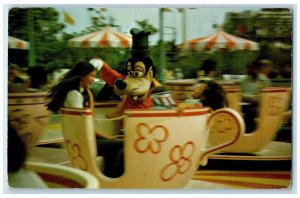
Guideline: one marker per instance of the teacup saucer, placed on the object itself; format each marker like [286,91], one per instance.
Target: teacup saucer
[196,184]
[273,151]
[239,179]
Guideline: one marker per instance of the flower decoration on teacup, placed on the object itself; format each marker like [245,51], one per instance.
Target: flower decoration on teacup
[275,105]
[77,160]
[150,139]
[181,161]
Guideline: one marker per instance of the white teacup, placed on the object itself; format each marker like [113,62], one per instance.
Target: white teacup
[233,95]
[57,176]
[163,149]
[28,115]
[274,101]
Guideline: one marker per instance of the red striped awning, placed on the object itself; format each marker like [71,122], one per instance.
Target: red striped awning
[15,43]
[103,38]
[219,41]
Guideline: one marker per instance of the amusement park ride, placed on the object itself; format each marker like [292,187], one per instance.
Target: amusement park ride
[161,148]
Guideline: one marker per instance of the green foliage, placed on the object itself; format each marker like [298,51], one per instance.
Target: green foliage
[144,25]
[17,23]
[51,43]
[45,28]
[99,20]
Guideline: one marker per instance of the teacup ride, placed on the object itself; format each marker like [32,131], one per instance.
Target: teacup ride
[234,97]
[28,115]
[274,101]
[162,149]
[233,94]
[57,176]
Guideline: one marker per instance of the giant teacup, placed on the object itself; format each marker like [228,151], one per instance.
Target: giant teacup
[57,176]
[28,115]
[163,149]
[274,101]
[233,95]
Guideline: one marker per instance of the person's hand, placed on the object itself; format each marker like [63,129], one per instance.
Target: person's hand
[97,63]
[118,137]
[183,106]
[113,137]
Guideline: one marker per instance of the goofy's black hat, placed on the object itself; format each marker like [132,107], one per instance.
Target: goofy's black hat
[140,45]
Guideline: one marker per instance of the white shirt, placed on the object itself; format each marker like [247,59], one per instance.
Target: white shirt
[74,99]
[251,89]
[25,179]
[267,82]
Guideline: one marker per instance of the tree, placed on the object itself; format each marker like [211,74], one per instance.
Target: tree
[45,28]
[51,43]
[144,24]
[99,20]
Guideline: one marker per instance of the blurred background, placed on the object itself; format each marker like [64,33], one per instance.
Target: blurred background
[182,37]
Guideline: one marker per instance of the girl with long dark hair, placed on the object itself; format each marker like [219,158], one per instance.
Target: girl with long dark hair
[73,89]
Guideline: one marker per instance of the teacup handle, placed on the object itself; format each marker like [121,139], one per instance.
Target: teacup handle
[219,116]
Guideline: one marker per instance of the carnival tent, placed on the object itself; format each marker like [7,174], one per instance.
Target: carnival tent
[219,41]
[102,39]
[15,43]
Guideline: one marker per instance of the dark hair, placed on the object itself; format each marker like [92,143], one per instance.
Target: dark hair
[214,96]
[146,60]
[16,150]
[70,81]
[38,76]
[208,65]
[252,69]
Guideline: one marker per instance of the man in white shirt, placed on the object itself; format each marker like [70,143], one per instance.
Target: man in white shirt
[265,67]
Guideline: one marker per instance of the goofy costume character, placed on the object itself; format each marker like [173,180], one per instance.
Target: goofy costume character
[135,88]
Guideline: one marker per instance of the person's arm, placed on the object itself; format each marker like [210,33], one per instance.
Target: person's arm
[198,91]
[118,110]
[74,99]
[107,74]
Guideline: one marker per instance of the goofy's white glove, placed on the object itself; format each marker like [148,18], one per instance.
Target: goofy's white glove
[97,63]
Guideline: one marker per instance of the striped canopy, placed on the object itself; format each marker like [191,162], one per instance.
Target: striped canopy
[102,39]
[219,41]
[15,43]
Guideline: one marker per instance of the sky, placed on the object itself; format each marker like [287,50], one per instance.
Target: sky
[199,21]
